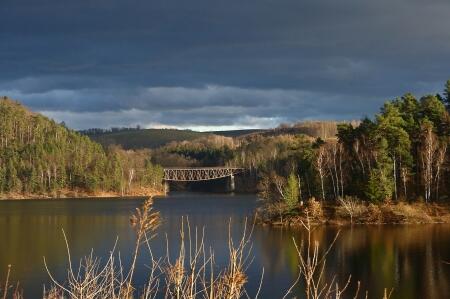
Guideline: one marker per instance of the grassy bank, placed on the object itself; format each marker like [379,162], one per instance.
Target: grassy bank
[65,193]
[352,211]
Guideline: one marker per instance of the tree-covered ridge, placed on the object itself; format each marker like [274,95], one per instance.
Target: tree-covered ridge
[39,156]
[137,138]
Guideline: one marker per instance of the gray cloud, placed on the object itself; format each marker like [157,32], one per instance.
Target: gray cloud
[215,106]
[221,63]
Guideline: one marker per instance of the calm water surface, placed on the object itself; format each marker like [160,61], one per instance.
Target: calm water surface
[406,258]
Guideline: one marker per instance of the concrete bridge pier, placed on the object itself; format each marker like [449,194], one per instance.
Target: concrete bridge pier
[231,186]
[166,187]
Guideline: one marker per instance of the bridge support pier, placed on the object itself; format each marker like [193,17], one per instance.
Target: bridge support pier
[231,186]
[166,187]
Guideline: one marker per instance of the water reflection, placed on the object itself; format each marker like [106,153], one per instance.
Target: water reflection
[30,230]
[406,258]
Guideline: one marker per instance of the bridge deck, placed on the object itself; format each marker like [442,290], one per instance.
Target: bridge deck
[192,174]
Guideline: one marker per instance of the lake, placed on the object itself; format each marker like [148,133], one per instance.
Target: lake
[408,259]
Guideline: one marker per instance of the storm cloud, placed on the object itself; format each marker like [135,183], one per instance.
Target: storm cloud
[219,64]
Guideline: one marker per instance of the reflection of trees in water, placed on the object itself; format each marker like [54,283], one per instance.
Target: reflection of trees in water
[277,250]
[27,237]
[406,258]
[279,255]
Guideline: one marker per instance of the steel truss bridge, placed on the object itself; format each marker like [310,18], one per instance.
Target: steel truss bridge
[193,174]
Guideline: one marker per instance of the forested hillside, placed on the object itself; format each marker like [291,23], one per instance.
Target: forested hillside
[41,157]
[136,138]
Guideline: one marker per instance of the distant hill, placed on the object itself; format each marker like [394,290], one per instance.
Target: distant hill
[143,138]
[238,133]
[136,138]
[322,129]
[315,129]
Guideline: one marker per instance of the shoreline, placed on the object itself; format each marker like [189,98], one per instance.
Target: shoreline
[329,214]
[297,224]
[77,194]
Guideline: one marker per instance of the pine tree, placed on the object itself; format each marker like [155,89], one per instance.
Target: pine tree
[391,127]
[291,191]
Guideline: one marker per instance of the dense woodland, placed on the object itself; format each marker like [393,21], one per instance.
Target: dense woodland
[39,156]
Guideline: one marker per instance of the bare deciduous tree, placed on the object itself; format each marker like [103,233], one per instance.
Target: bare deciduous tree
[320,164]
[429,145]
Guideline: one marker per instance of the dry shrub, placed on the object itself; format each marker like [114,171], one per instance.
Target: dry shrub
[350,207]
[314,208]
[312,262]
[374,214]
[191,275]
[16,292]
[94,279]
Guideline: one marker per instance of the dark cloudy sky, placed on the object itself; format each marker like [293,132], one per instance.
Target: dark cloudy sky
[219,63]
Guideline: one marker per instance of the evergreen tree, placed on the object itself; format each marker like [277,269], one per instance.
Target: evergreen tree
[291,191]
[379,187]
[434,110]
[391,127]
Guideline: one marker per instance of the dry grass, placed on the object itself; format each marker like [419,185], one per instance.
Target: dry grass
[385,213]
[312,268]
[191,274]
[16,292]
[93,279]
[350,210]
[312,264]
